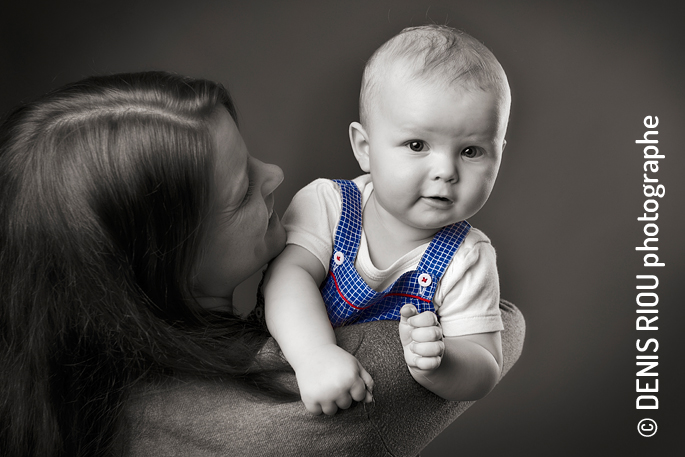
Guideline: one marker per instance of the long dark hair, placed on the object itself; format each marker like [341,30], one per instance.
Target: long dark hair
[104,185]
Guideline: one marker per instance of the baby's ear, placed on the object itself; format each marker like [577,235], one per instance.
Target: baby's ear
[360,145]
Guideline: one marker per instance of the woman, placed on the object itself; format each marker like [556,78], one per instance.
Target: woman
[130,209]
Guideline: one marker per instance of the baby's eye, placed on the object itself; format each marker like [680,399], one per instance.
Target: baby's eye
[471,152]
[416,145]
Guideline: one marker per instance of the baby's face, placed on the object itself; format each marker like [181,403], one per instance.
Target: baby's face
[434,151]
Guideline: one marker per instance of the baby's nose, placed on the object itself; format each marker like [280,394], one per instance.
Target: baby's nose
[445,168]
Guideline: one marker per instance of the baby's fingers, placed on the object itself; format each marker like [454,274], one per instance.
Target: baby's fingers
[431,349]
[357,391]
[344,401]
[425,319]
[368,384]
[415,360]
[426,334]
[313,407]
[363,387]
[407,311]
[427,356]
[329,408]
[405,328]
[427,363]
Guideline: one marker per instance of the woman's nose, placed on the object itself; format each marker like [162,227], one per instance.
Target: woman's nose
[272,176]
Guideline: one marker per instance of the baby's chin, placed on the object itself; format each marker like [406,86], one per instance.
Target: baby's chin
[434,227]
[438,220]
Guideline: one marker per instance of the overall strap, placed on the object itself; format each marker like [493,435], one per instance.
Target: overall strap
[349,231]
[442,248]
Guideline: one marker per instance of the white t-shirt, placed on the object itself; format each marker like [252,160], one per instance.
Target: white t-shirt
[467,297]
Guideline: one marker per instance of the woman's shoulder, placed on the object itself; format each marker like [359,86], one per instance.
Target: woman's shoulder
[209,418]
[205,418]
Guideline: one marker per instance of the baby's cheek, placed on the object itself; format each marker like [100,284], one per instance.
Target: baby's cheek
[481,192]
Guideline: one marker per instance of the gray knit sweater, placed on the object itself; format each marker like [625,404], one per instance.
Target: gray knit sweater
[203,419]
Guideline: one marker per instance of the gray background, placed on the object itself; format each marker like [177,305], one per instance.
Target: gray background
[563,213]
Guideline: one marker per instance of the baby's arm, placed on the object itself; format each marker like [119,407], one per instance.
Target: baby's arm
[328,377]
[455,368]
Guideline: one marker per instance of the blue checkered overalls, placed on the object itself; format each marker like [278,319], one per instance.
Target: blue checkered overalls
[350,300]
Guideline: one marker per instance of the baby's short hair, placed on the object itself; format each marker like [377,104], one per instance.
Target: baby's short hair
[435,53]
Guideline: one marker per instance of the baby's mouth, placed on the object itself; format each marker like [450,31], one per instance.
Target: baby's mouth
[440,199]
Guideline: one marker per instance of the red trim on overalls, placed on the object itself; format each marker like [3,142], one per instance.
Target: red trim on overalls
[335,281]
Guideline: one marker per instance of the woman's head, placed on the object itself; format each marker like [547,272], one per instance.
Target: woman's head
[113,193]
[121,172]
[243,231]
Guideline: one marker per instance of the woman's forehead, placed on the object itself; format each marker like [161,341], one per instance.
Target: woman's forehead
[231,160]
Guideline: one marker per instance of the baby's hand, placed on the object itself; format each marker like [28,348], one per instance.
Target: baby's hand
[332,378]
[421,337]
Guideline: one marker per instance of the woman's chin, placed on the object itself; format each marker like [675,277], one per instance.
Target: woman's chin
[275,235]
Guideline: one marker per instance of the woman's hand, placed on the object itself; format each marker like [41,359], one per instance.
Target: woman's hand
[421,337]
[332,378]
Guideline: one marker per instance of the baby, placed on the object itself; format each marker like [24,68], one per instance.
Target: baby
[394,243]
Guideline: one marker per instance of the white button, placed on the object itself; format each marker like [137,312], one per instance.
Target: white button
[425,280]
[338,258]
